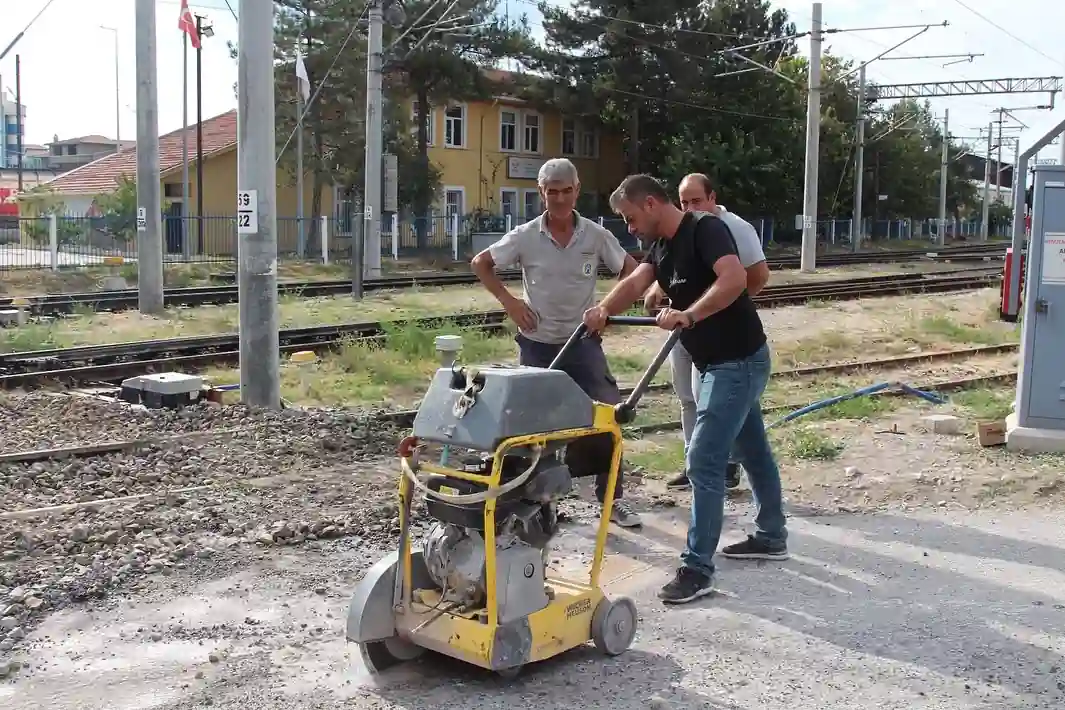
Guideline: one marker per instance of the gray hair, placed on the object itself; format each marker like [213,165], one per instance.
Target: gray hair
[636,188]
[557,170]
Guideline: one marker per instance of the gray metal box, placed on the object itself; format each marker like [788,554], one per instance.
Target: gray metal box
[513,402]
[483,240]
[1041,383]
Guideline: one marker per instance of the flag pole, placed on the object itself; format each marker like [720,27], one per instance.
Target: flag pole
[301,233]
[186,243]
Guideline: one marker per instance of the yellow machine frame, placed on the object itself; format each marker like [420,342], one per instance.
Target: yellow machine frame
[563,624]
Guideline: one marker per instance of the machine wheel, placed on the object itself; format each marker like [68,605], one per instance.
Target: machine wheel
[614,625]
[379,656]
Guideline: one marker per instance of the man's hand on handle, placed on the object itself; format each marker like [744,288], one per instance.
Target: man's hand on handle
[669,319]
[595,319]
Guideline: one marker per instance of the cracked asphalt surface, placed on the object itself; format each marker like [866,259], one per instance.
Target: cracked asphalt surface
[947,611]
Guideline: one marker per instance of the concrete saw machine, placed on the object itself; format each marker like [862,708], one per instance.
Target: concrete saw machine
[477,587]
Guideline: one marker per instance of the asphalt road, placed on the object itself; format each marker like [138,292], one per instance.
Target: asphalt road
[952,612]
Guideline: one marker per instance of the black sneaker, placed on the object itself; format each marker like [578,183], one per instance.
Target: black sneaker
[679,481]
[732,475]
[754,549]
[686,586]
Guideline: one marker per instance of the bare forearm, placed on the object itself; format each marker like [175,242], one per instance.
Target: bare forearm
[622,296]
[717,298]
[757,278]
[490,279]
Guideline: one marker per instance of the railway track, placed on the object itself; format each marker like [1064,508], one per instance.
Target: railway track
[108,364]
[53,305]
[406,417]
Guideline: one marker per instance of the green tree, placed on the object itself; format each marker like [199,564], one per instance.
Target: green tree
[443,53]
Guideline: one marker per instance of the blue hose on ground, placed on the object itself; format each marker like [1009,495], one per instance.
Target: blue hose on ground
[863,392]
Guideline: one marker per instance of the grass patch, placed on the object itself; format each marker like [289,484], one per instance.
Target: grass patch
[828,346]
[944,328]
[992,404]
[394,372]
[657,457]
[809,444]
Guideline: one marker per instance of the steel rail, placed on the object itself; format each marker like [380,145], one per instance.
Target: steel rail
[114,362]
[406,418]
[53,305]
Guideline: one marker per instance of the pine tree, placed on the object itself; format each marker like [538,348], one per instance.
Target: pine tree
[442,54]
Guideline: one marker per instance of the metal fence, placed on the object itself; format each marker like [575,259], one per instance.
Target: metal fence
[62,242]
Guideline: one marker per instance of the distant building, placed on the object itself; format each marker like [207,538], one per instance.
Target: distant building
[9,129]
[73,153]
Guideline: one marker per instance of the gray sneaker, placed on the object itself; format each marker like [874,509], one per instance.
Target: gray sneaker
[622,515]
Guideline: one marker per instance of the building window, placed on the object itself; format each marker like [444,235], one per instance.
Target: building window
[454,206]
[532,206]
[455,126]
[508,202]
[531,143]
[569,136]
[589,142]
[508,131]
[57,150]
[430,123]
[72,150]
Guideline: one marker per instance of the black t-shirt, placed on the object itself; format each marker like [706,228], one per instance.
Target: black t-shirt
[684,268]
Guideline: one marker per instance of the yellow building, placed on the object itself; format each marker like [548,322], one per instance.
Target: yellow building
[489,153]
[78,190]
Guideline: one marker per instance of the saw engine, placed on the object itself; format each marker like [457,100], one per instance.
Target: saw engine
[526,518]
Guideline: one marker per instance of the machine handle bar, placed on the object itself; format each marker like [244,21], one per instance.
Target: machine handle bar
[625,411]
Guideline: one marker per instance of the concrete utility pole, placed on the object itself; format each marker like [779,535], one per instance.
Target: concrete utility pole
[944,161]
[859,166]
[260,366]
[998,160]
[149,200]
[808,261]
[987,185]
[371,254]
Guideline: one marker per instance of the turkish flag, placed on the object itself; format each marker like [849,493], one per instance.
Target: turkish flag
[187,24]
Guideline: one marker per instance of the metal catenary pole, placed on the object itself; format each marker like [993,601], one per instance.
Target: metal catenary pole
[987,186]
[149,211]
[859,167]
[371,253]
[260,366]
[808,262]
[944,167]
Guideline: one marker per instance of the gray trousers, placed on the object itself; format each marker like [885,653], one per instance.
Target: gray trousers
[686,387]
[587,366]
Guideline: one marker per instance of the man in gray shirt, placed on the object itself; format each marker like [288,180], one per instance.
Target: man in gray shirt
[697,195]
[559,254]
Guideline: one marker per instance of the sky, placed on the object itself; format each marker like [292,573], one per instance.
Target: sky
[68,62]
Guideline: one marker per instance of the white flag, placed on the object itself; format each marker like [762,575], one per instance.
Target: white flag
[304,80]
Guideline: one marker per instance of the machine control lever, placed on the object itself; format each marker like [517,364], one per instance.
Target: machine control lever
[625,412]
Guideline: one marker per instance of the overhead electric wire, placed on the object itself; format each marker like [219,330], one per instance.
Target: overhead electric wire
[1006,32]
[25,29]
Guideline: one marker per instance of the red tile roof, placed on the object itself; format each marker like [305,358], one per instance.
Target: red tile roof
[101,176]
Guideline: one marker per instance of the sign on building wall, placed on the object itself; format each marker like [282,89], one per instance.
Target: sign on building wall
[524,168]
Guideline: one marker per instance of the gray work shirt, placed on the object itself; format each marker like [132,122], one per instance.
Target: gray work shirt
[748,243]
[558,281]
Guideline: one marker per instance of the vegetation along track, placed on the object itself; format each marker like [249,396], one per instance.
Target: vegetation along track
[113,363]
[406,418]
[126,299]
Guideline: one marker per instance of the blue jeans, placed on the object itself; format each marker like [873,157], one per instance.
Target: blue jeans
[730,419]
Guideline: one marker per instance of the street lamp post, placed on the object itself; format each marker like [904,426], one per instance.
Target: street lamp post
[202,30]
[118,102]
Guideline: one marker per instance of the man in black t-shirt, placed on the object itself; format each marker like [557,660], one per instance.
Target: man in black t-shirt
[694,260]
